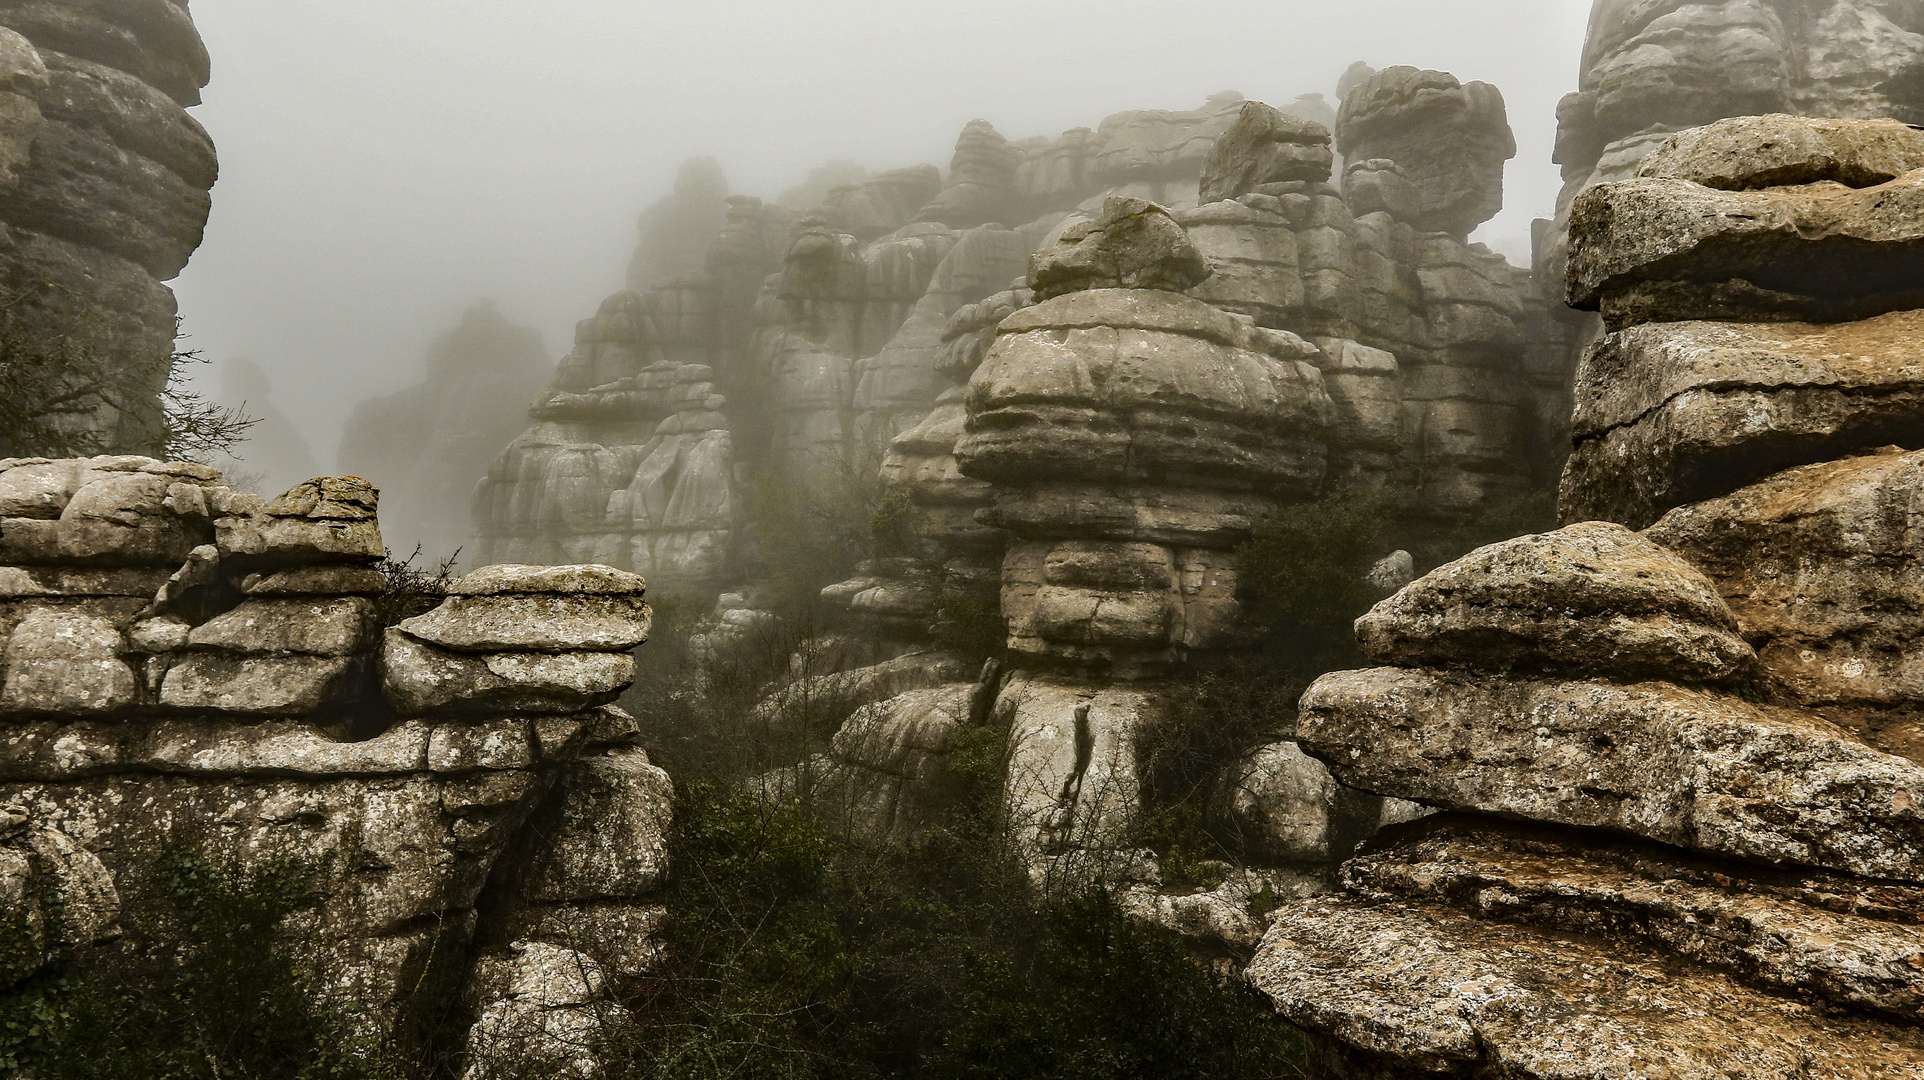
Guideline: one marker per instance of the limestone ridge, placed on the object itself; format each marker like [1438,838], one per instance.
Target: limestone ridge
[820,334]
[104,179]
[1697,738]
[187,663]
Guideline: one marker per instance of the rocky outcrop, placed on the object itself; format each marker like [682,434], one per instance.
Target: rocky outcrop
[1682,760]
[676,230]
[1425,148]
[429,444]
[189,667]
[104,182]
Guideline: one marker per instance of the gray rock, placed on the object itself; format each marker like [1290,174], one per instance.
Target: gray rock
[325,520]
[1749,153]
[1415,991]
[610,841]
[315,626]
[1132,245]
[317,581]
[66,662]
[1676,413]
[1818,564]
[547,622]
[1448,140]
[1591,599]
[421,678]
[1712,774]
[1265,146]
[1282,805]
[292,685]
[509,580]
[1663,250]
[890,759]
[1849,940]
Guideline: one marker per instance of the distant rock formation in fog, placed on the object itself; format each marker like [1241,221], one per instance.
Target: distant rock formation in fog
[676,229]
[822,179]
[274,456]
[104,182]
[428,444]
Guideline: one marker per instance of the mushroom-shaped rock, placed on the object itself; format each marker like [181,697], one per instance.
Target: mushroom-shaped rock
[1265,146]
[1592,599]
[1448,141]
[1132,245]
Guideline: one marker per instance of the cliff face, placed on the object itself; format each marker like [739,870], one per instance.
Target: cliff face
[187,665]
[1691,745]
[428,445]
[104,182]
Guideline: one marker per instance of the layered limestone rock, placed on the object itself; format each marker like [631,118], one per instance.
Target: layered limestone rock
[186,666]
[1425,148]
[104,182]
[1682,760]
[429,444]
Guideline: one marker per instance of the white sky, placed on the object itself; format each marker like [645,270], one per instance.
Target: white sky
[385,163]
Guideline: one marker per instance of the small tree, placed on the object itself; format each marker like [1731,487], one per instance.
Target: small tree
[61,398]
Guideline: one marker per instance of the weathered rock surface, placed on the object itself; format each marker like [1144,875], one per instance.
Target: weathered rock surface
[1749,153]
[1284,806]
[1849,940]
[1675,413]
[1443,143]
[1265,146]
[1132,245]
[1664,249]
[1818,565]
[1714,774]
[234,692]
[104,183]
[1590,599]
[1422,991]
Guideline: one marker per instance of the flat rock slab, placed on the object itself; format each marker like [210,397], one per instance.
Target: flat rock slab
[1852,940]
[511,579]
[1819,564]
[1674,413]
[1748,153]
[1591,599]
[1662,250]
[420,678]
[536,622]
[1700,771]
[1434,992]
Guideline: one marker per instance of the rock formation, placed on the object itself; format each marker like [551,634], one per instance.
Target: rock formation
[428,445]
[104,182]
[675,231]
[188,666]
[1680,760]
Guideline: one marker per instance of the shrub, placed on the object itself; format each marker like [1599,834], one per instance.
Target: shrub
[208,991]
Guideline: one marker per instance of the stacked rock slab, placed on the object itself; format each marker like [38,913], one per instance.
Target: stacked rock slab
[1129,435]
[104,182]
[190,667]
[1681,761]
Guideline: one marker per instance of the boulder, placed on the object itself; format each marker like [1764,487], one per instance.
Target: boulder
[1659,249]
[1265,146]
[285,685]
[1132,245]
[1845,939]
[545,622]
[1676,413]
[61,661]
[1281,805]
[1421,991]
[1714,774]
[610,837]
[1818,565]
[1590,599]
[1448,140]
[1749,153]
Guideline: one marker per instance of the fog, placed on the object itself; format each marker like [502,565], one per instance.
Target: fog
[386,164]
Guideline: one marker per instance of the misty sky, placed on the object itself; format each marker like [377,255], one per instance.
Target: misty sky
[385,163]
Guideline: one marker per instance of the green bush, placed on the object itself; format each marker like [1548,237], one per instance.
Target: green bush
[210,991]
